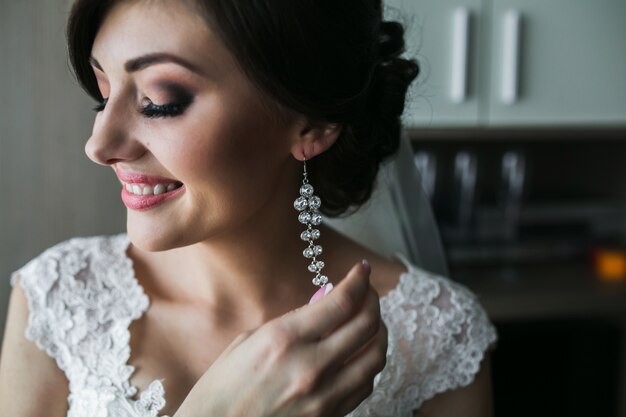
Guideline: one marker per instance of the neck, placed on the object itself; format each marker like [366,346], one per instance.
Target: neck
[253,273]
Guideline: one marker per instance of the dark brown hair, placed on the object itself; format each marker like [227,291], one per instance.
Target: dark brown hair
[334,61]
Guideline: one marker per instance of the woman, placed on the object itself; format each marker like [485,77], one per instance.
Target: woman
[215,116]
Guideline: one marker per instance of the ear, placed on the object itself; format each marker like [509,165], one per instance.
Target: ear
[314,138]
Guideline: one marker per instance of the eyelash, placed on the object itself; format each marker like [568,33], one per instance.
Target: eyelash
[152,110]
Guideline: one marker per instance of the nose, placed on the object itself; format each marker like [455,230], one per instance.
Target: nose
[112,139]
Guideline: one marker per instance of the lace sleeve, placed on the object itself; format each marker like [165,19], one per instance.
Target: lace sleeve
[49,318]
[441,333]
[82,296]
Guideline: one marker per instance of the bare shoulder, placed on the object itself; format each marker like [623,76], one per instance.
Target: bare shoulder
[31,384]
[385,272]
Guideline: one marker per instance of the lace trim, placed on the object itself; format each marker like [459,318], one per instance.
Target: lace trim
[438,332]
[82,296]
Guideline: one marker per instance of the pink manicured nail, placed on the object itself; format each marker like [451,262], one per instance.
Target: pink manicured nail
[366,266]
[321,292]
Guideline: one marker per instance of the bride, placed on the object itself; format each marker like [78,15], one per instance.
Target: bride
[215,116]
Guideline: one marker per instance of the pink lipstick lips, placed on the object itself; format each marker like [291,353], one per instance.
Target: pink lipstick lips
[146,202]
[142,192]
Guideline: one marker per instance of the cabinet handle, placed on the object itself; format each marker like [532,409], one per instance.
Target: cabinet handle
[461,28]
[510,56]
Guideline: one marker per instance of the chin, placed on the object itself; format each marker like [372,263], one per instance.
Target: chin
[155,239]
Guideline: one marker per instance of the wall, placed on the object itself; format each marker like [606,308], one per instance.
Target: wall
[50,190]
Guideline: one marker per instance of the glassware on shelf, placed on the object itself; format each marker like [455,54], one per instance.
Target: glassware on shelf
[426,163]
[512,186]
[465,173]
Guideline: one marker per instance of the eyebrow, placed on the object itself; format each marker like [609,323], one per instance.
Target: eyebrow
[142,62]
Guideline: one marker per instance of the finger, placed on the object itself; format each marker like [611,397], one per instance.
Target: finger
[354,382]
[352,336]
[237,341]
[379,341]
[312,321]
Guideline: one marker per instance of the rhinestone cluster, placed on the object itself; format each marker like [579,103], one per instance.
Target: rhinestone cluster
[308,204]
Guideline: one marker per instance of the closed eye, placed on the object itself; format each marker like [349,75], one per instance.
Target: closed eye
[152,110]
[149,109]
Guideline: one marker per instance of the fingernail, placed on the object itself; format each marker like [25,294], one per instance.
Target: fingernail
[328,288]
[321,293]
[366,266]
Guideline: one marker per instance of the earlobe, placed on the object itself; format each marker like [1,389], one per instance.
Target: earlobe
[314,140]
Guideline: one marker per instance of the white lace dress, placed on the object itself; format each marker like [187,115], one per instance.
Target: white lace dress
[82,296]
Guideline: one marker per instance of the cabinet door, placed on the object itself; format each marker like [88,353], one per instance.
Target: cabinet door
[571,62]
[436,34]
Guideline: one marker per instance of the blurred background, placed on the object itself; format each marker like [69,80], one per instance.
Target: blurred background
[517,124]
[50,190]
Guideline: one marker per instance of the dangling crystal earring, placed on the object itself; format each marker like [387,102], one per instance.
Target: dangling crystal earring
[308,204]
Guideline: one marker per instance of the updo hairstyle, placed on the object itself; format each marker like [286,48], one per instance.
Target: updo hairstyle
[334,61]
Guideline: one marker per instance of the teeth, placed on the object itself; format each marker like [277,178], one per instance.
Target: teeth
[159,189]
[149,190]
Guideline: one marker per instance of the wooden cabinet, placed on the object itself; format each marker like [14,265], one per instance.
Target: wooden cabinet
[515,62]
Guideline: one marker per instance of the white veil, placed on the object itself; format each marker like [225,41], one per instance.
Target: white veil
[398,218]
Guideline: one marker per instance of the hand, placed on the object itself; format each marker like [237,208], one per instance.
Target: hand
[318,360]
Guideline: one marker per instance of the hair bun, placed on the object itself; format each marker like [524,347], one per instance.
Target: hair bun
[391,85]
[391,40]
[394,74]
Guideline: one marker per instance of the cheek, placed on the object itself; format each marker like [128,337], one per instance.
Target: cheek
[231,151]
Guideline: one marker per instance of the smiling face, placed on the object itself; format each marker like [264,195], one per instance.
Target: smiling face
[178,106]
